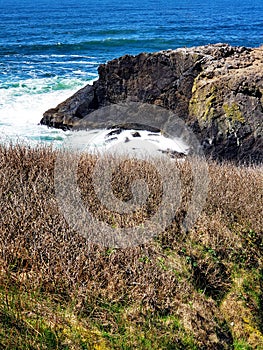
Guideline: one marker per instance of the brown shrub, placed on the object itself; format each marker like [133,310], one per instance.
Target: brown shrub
[38,249]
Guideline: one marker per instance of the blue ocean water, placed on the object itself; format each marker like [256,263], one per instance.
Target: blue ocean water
[51,48]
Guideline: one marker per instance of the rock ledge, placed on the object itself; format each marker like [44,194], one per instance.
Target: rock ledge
[216,89]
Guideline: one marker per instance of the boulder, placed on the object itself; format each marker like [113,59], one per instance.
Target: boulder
[216,89]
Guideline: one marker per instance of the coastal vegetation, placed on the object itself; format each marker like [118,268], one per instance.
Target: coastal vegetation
[200,289]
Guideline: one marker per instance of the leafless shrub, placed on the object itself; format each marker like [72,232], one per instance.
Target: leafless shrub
[38,249]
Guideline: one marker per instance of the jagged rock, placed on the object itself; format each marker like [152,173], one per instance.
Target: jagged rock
[134,126]
[216,89]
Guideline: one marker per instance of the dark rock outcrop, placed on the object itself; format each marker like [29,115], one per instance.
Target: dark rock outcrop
[216,89]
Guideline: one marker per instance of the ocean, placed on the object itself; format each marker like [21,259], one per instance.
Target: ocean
[51,48]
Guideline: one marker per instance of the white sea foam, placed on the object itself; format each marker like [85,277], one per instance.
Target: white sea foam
[123,142]
[69,62]
[23,104]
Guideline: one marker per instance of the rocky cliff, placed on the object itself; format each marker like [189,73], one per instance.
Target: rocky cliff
[216,89]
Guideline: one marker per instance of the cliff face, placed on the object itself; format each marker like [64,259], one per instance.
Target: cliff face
[217,90]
